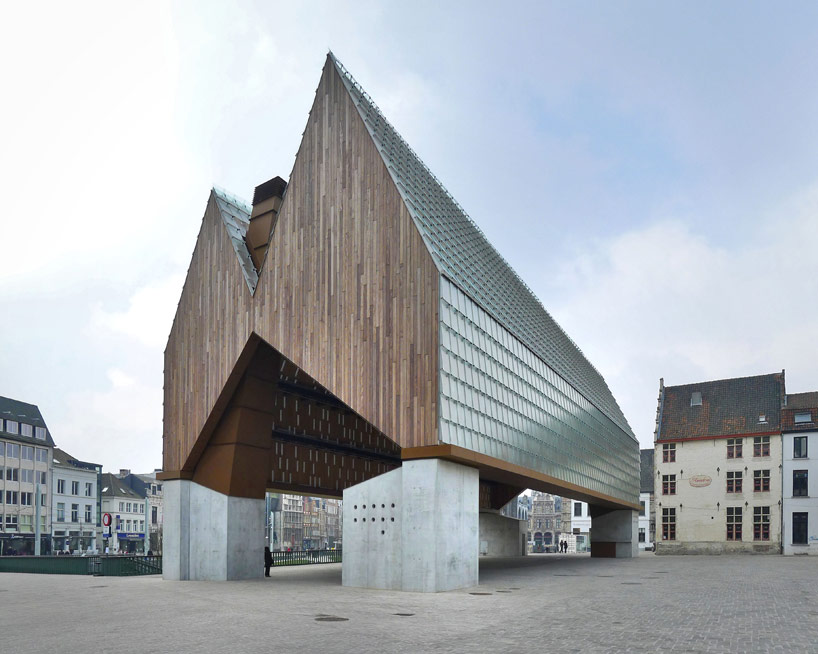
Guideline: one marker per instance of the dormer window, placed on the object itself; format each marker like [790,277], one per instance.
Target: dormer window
[762,418]
[802,417]
[696,399]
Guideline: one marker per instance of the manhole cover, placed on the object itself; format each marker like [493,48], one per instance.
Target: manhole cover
[330,618]
[97,586]
[660,572]
[479,593]
[631,583]
[404,614]
[604,575]
[565,575]
[503,591]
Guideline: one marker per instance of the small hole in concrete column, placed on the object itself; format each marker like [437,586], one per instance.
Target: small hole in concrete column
[383,506]
[373,506]
[356,506]
[382,532]
[393,519]
[356,519]
[373,519]
[393,505]
[383,519]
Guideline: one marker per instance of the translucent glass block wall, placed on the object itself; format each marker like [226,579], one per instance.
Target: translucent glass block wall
[499,399]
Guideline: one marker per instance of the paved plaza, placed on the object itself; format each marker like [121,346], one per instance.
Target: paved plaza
[562,603]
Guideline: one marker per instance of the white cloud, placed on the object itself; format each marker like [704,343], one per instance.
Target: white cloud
[664,302]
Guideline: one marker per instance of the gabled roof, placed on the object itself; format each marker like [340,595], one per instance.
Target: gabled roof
[112,486]
[802,400]
[800,403]
[464,255]
[646,471]
[63,458]
[728,407]
[23,412]
[235,214]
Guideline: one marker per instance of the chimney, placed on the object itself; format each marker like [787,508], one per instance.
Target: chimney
[124,472]
[267,200]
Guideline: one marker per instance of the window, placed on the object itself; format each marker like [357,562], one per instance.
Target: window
[641,534]
[27,476]
[128,507]
[60,511]
[127,525]
[11,520]
[577,510]
[87,513]
[75,513]
[642,510]
[75,488]
[733,523]
[761,446]
[762,418]
[696,399]
[12,426]
[12,474]
[799,483]
[668,484]
[798,418]
[11,497]
[799,529]
[61,486]
[734,481]
[155,516]
[42,477]
[548,523]
[734,448]
[39,432]
[42,455]
[42,499]
[668,452]
[26,499]
[761,523]
[89,489]
[26,430]
[12,449]
[668,524]
[153,489]
[141,525]
[28,453]
[799,447]
[26,522]
[761,481]
[122,507]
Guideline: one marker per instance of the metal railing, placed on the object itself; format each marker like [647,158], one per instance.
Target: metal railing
[306,557]
[101,566]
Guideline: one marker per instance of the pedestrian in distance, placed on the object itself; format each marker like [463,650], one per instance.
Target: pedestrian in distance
[268,561]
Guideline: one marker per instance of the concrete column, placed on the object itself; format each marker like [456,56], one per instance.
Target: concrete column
[615,534]
[501,535]
[414,528]
[210,536]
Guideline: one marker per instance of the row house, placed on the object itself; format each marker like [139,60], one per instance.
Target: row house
[148,487]
[799,430]
[75,514]
[126,507]
[26,450]
[647,523]
[718,466]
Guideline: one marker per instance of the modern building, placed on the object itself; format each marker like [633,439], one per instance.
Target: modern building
[354,334]
[128,517]
[147,486]
[799,427]
[647,523]
[718,466]
[76,502]
[25,479]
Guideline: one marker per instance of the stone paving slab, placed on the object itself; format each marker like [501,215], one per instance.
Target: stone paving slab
[555,603]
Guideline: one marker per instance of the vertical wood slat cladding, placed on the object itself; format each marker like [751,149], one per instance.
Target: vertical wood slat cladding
[348,292]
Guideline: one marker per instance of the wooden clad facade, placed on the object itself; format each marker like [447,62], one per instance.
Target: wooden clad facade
[348,293]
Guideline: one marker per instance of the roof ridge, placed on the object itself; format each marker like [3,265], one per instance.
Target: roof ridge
[725,379]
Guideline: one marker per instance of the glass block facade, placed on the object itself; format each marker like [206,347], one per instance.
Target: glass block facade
[498,398]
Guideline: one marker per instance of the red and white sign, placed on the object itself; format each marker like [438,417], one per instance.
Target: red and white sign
[698,481]
[106,519]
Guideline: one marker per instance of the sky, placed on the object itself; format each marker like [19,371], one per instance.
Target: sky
[649,169]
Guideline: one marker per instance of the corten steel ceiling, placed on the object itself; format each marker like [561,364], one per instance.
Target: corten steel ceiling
[379,287]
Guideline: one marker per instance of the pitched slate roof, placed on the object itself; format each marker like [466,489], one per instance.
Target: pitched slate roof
[464,255]
[728,407]
[63,458]
[646,471]
[112,486]
[23,412]
[800,403]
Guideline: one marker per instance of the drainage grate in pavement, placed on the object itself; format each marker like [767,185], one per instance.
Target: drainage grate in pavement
[404,614]
[605,575]
[559,574]
[479,593]
[503,591]
[660,572]
[514,588]
[330,618]
[631,583]
[97,586]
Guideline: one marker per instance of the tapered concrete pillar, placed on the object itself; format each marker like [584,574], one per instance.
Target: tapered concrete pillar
[210,536]
[615,534]
[414,528]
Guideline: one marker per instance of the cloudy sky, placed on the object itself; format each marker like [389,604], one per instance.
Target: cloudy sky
[650,169]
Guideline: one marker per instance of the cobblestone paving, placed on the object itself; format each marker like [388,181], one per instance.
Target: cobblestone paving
[547,603]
